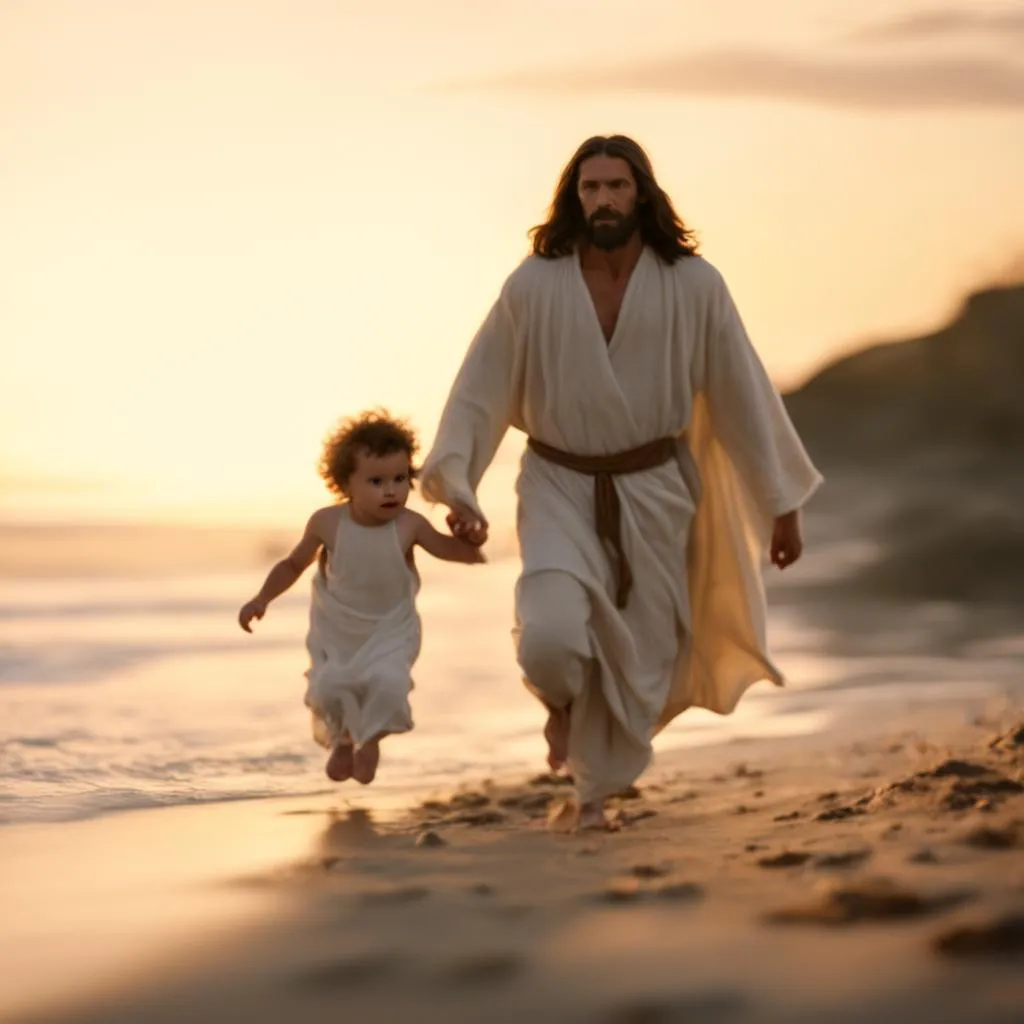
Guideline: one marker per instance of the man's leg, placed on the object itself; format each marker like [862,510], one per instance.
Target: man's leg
[554,653]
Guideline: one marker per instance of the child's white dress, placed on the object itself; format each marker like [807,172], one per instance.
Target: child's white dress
[364,636]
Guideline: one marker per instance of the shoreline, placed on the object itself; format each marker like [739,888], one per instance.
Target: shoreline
[200,898]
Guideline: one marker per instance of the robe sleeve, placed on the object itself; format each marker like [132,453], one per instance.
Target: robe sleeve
[748,416]
[477,414]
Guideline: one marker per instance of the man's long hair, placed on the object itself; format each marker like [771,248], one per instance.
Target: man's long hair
[660,225]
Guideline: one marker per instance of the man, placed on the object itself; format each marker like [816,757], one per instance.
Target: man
[661,465]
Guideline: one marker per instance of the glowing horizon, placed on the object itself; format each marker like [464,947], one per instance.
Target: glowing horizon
[226,225]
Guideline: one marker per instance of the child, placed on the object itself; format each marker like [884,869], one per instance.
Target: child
[364,630]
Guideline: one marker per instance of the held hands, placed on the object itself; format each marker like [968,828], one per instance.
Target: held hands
[467,525]
[254,609]
[787,540]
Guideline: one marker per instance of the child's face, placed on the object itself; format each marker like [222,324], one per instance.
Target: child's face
[380,485]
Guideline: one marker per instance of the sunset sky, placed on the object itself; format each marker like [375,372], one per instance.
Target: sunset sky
[226,223]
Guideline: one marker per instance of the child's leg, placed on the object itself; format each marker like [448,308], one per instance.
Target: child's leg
[366,759]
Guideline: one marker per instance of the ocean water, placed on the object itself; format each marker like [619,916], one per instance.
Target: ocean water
[141,690]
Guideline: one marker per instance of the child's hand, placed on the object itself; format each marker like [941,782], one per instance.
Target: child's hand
[254,609]
[466,525]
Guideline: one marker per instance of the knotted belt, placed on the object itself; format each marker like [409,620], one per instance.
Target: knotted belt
[607,507]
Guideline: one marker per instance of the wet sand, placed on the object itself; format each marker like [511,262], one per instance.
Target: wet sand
[871,873]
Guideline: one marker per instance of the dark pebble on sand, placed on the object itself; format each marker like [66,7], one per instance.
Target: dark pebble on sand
[788,816]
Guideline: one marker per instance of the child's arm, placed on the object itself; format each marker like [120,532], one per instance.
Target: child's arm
[286,572]
[450,549]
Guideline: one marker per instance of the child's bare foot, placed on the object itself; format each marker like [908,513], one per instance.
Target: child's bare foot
[556,732]
[339,764]
[364,764]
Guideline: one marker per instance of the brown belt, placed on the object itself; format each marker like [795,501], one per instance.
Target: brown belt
[607,508]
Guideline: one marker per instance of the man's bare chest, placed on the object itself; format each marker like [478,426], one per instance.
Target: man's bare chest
[607,294]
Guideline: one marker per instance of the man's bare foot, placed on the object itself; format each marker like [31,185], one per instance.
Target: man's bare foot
[364,764]
[339,764]
[592,817]
[556,732]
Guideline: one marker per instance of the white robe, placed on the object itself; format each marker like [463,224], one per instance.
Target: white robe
[364,636]
[696,530]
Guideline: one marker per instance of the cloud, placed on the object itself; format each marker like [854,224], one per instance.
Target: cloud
[936,82]
[943,22]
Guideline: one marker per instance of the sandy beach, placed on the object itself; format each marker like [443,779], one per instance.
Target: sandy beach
[873,872]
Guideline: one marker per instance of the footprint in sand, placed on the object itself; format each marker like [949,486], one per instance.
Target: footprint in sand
[684,798]
[1011,740]
[477,818]
[526,801]
[648,871]
[631,890]
[843,859]
[707,1007]
[552,779]
[428,839]
[839,813]
[786,859]
[397,896]
[621,890]
[867,900]
[349,973]
[986,837]
[679,891]
[482,971]
[1002,935]
[788,816]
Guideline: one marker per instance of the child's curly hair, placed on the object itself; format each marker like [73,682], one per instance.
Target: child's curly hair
[376,433]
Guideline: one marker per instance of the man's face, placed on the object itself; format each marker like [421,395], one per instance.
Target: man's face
[608,195]
[379,487]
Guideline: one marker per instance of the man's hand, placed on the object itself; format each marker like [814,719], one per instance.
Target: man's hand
[254,609]
[787,540]
[467,525]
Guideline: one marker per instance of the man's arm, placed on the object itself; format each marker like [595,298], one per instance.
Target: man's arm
[448,549]
[754,426]
[476,417]
[286,572]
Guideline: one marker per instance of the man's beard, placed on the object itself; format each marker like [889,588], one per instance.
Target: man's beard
[608,230]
